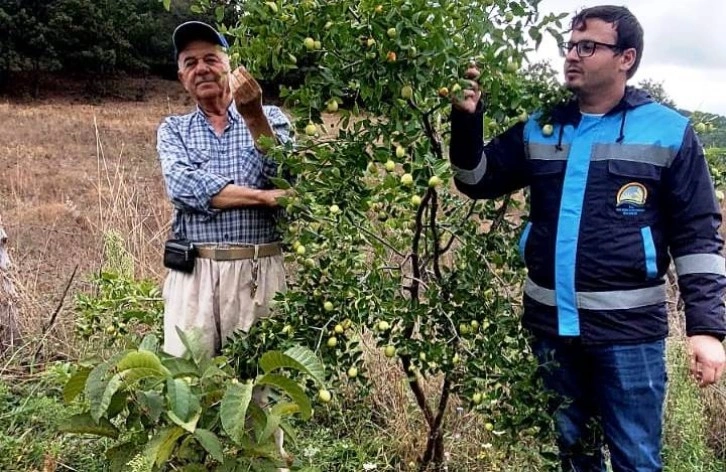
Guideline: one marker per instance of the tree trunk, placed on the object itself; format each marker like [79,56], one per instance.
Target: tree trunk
[9,333]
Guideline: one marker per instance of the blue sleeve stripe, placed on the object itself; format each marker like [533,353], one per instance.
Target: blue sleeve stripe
[523,240]
[651,264]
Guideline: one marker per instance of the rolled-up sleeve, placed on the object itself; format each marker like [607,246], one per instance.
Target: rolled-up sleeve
[189,187]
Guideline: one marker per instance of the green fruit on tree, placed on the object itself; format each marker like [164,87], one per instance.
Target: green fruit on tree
[332,105]
[406,92]
[383,325]
[332,341]
[389,351]
[334,209]
[353,372]
[701,127]
[328,306]
[309,43]
[370,42]
[422,356]
[400,152]
[547,130]
[407,179]
[339,329]
[434,181]
[512,66]
[390,165]
[488,426]
[318,45]
[464,328]
[474,324]
[476,398]
[392,33]
[444,92]
[379,9]
[311,129]
[309,263]
[455,88]
[508,17]
[300,250]
[415,200]
[523,117]
[456,359]
[328,25]
[324,396]
[287,329]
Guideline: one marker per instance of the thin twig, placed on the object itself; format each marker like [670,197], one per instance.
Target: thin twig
[54,316]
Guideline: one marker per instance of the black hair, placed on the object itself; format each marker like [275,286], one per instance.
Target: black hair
[627,27]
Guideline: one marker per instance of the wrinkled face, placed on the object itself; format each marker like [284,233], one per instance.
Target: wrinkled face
[605,68]
[203,70]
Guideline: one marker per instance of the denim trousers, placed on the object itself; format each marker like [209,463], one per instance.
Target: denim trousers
[605,395]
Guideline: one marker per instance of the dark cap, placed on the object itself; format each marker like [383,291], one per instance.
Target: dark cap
[190,31]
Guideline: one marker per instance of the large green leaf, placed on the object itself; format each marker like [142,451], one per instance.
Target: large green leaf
[291,389]
[75,384]
[160,447]
[191,340]
[96,385]
[190,424]
[273,422]
[85,424]
[210,443]
[299,358]
[179,367]
[179,395]
[142,360]
[233,409]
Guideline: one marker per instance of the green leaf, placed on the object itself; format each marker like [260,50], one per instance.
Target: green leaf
[149,343]
[273,422]
[96,385]
[167,4]
[291,389]
[85,424]
[210,443]
[189,425]
[160,447]
[280,183]
[219,13]
[179,396]
[141,360]
[100,408]
[179,367]
[233,409]
[151,404]
[299,358]
[75,384]
[192,341]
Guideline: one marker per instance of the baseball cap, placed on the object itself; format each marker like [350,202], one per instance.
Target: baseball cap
[190,31]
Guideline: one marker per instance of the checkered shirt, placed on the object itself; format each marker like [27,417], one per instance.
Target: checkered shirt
[197,164]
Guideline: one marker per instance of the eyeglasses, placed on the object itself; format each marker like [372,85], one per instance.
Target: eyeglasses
[585,48]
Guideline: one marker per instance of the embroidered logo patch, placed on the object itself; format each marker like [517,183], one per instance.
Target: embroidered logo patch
[631,199]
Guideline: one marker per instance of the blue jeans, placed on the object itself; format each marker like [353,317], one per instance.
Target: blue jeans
[610,395]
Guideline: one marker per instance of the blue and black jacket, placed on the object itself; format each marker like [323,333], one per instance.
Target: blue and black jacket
[612,199]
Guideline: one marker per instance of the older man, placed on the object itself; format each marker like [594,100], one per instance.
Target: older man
[218,181]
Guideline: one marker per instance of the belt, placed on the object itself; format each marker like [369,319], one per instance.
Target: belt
[234,253]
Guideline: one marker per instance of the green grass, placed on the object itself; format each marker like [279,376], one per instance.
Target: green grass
[685,447]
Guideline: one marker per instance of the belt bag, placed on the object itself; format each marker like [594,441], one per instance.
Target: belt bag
[179,254]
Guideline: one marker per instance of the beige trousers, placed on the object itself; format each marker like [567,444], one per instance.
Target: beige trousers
[221,297]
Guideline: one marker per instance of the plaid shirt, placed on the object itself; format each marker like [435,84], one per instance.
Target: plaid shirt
[197,164]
